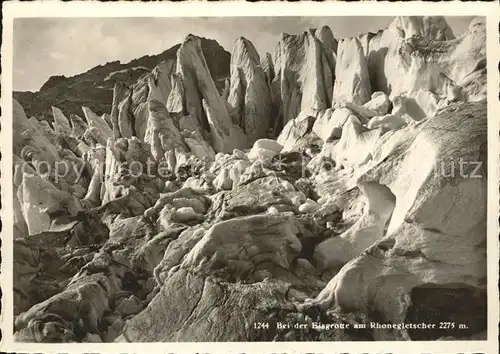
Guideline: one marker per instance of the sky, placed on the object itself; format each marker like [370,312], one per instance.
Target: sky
[45,47]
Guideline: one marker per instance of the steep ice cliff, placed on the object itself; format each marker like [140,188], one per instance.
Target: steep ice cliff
[304,66]
[249,95]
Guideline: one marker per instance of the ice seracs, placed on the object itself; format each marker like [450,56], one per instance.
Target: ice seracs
[352,81]
[345,179]
[304,66]
[249,95]
[329,124]
[98,127]
[422,56]
[161,132]
[203,102]
[61,123]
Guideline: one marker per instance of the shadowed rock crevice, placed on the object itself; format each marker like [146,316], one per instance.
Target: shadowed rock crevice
[457,311]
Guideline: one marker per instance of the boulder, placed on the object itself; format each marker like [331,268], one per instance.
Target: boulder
[264,149]
[195,204]
[379,103]
[176,251]
[184,197]
[261,154]
[44,262]
[59,317]
[185,214]
[268,144]
[309,206]
[274,235]
[387,122]
[256,196]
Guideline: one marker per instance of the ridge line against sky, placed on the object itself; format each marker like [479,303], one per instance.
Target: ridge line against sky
[45,47]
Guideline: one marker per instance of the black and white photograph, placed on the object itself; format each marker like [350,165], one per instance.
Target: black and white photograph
[248,179]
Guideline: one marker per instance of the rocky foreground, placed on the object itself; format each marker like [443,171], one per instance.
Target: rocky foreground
[336,182]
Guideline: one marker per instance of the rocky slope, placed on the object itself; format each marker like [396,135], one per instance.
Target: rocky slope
[174,216]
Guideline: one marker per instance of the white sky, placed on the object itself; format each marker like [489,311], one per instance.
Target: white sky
[44,47]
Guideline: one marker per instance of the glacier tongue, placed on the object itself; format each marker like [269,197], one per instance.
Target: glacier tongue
[342,178]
